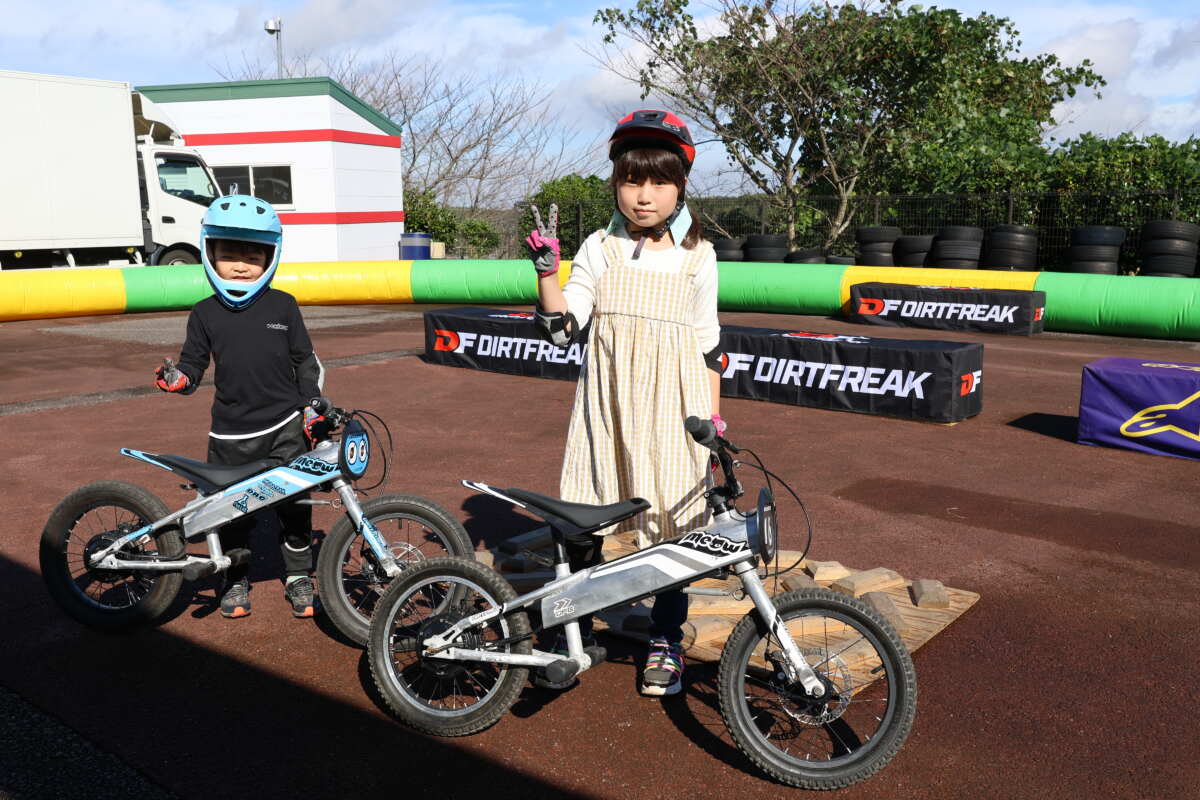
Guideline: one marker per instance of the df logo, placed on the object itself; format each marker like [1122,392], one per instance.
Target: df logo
[969,382]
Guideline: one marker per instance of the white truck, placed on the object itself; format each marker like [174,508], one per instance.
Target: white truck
[93,173]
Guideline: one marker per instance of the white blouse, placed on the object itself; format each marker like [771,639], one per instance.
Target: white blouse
[589,264]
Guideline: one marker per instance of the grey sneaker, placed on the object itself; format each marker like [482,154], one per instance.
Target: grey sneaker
[299,593]
[235,600]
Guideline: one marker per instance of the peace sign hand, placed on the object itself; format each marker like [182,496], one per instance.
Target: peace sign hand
[543,243]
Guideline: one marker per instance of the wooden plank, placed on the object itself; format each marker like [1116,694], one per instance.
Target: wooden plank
[928,593]
[871,580]
[886,606]
[708,604]
[705,628]
[485,557]
[825,571]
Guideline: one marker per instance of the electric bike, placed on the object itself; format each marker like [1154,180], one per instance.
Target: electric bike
[815,687]
[113,557]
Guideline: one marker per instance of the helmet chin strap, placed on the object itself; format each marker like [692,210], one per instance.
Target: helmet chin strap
[678,224]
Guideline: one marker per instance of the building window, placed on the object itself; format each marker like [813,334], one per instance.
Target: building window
[270,183]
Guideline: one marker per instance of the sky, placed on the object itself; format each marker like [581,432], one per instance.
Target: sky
[1148,52]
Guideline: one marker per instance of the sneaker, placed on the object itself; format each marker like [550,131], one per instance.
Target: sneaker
[235,600]
[299,591]
[663,674]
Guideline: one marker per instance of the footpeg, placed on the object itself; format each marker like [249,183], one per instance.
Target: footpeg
[199,569]
[562,671]
[238,556]
[596,653]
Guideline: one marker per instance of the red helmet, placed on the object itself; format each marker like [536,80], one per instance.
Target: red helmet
[648,127]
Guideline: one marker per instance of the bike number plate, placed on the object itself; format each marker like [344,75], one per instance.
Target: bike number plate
[355,451]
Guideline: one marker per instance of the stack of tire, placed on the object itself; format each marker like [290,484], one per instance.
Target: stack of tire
[810,255]
[874,244]
[911,251]
[1011,247]
[729,249]
[956,247]
[1095,249]
[1168,248]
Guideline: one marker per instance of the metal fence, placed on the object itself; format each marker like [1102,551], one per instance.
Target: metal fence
[1054,215]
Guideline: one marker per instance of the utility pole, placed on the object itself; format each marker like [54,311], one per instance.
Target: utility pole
[274,27]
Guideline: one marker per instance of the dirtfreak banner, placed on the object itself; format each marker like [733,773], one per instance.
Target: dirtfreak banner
[928,380]
[1141,404]
[948,308]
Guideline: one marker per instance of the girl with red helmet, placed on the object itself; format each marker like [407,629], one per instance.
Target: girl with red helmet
[648,285]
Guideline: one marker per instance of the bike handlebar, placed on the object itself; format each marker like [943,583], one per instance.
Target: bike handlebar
[705,433]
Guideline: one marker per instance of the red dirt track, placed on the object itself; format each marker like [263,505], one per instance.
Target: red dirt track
[1073,677]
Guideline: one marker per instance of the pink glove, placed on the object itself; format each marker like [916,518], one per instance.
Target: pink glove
[543,243]
[719,423]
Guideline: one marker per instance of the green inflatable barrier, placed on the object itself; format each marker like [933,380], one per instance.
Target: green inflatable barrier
[476,282]
[165,288]
[788,288]
[1126,305]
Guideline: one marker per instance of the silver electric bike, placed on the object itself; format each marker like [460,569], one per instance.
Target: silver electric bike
[113,557]
[815,687]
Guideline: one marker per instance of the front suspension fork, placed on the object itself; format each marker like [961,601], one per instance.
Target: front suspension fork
[797,667]
[366,529]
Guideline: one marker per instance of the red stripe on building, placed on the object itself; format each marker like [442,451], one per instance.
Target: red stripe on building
[279,137]
[338,217]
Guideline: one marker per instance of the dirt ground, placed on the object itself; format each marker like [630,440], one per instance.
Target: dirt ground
[1073,677]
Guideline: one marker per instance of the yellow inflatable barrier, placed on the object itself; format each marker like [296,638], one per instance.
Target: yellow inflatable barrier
[916,276]
[316,283]
[44,293]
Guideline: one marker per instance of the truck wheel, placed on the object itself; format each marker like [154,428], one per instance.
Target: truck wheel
[178,255]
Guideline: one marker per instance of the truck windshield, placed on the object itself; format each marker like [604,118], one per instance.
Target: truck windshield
[185,178]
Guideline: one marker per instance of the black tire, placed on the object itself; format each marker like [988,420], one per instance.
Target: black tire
[1017,268]
[1094,267]
[1024,230]
[875,260]
[764,254]
[1010,241]
[848,260]
[885,234]
[1184,265]
[912,260]
[730,255]
[440,592]
[105,599]
[729,244]
[1170,229]
[956,263]
[999,257]
[351,584]
[960,233]
[876,247]
[1092,252]
[765,240]
[811,255]
[886,694]
[912,244]
[178,255]
[1161,275]
[1168,247]
[1106,235]
[955,250]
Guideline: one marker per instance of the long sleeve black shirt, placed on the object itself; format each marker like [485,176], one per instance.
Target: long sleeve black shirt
[265,366]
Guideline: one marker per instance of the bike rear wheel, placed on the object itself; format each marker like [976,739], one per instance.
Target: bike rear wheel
[439,696]
[351,581]
[86,521]
[860,723]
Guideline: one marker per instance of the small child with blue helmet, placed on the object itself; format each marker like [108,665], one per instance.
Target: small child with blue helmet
[266,373]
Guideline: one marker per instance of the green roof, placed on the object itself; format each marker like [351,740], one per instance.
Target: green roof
[285,87]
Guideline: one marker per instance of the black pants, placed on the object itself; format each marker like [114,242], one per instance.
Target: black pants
[295,521]
[670,609]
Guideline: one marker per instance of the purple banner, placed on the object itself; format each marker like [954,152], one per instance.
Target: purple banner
[1141,404]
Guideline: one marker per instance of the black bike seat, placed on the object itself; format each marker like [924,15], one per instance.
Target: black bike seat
[210,478]
[586,517]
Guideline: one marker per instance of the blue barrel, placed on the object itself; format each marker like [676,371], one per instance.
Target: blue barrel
[415,246]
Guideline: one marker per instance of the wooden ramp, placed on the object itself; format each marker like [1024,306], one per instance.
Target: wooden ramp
[918,609]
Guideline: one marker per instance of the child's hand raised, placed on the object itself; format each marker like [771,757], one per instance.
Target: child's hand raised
[543,243]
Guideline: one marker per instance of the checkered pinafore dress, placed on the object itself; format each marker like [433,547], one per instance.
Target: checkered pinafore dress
[643,376]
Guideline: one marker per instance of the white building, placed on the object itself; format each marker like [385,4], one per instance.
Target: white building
[329,163]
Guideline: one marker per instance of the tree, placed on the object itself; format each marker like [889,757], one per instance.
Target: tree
[843,99]
[584,204]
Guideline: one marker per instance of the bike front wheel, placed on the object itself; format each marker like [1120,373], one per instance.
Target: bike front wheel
[859,723]
[351,580]
[85,522]
[439,696]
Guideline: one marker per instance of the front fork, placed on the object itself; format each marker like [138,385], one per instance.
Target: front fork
[795,664]
[367,529]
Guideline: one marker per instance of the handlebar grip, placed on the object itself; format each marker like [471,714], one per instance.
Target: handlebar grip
[321,405]
[702,430]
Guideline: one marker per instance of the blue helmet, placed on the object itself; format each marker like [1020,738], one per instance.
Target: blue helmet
[247,219]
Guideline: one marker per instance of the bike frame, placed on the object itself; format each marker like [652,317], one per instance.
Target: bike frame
[330,464]
[730,542]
